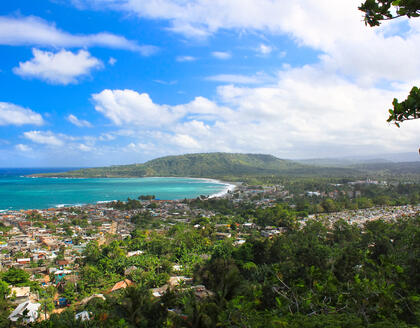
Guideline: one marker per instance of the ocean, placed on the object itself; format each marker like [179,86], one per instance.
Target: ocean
[20,192]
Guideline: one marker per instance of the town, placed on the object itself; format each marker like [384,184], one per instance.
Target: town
[45,249]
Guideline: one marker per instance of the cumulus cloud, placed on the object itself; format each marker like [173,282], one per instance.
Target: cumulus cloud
[31,30]
[310,112]
[62,67]
[185,141]
[44,138]
[80,123]
[112,61]
[332,107]
[130,107]
[307,113]
[334,28]
[221,54]
[11,114]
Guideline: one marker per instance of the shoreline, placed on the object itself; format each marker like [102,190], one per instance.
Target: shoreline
[228,187]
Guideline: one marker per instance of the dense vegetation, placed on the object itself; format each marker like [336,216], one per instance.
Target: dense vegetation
[315,276]
[196,165]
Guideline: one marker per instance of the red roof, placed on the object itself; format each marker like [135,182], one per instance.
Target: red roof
[121,284]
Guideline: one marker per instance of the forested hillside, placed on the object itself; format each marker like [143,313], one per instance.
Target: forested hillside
[240,166]
[195,165]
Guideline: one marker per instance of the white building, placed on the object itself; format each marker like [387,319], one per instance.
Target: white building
[26,311]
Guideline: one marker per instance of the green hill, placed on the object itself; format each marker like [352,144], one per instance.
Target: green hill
[228,165]
[194,165]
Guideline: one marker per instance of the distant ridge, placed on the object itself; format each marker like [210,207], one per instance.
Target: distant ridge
[229,165]
[347,161]
[192,165]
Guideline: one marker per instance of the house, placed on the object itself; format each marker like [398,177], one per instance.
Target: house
[21,294]
[39,256]
[24,261]
[134,253]
[130,270]
[123,284]
[82,316]
[239,242]
[63,262]
[201,291]
[49,242]
[176,280]
[60,274]
[223,235]
[27,312]
[160,291]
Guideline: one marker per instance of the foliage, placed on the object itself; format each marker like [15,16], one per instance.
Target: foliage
[377,11]
[4,289]
[315,275]
[380,10]
[16,277]
[408,109]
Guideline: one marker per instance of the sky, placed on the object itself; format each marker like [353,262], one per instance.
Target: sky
[106,82]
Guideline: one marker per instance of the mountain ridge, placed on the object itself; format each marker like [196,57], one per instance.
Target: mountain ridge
[222,165]
[192,165]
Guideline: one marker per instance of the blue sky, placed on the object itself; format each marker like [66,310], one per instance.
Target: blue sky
[100,82]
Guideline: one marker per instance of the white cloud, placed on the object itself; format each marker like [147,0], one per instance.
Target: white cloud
[335,28]
[31,30]
[308,112]
[185,58]
[331,108]
[130,107]
[185,141]
[63,67]
[85,148]
[112,61]
[23,148]
[106,137]
[11,114]
[44,138]
[240,79]
[264,49]
[80,123]
[221,54]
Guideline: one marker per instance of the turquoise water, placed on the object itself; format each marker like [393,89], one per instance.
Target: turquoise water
[19,192]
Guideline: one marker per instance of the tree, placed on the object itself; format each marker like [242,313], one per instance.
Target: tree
[16,276]
[408,109]
[377,11]
[380,10]
[4,289]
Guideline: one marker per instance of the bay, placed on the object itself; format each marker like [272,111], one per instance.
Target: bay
[20,192]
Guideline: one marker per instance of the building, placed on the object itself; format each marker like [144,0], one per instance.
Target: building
[27,312]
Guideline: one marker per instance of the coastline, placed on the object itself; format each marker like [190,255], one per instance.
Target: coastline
[228,187]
